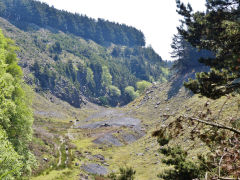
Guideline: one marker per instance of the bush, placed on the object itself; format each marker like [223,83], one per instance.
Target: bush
[124,174]
[183,168]
[129,91]
[103,100]
[114,91]
[142,86]
[10,161]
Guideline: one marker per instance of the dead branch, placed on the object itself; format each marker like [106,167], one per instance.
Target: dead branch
[219,165]
[220,126]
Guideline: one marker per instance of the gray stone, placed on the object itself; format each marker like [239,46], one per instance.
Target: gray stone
[129,138]
[100,157]
[95,169]
[108,139]
[106,164]
[118,122]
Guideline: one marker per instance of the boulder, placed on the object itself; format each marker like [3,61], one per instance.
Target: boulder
[100,157]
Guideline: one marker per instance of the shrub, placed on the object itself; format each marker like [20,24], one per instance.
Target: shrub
[124,174]
[183,169]
[129,90]
[114,91]
[142,86]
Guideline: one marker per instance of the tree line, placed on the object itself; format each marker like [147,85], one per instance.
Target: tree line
[23,12]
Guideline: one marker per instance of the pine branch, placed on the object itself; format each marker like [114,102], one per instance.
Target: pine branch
[220,126]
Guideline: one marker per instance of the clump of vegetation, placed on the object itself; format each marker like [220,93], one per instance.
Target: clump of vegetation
[124,174]
[142,86]
[131,93]
[183,169]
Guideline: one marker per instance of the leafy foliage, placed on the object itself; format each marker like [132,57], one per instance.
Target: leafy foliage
[142,86]
[10,161]
[15,115]
[114,91]
[106,77]
[129,91]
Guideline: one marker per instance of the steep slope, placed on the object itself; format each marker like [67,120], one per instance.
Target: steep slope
[74,69]
[25,12]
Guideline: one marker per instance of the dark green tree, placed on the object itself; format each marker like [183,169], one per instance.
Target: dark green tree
[217,30]
[24,12]
[187,57]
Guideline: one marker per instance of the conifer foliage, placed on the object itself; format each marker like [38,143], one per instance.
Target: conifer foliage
[22,12]
[217,30]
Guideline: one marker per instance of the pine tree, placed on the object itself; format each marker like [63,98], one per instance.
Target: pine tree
[217,30]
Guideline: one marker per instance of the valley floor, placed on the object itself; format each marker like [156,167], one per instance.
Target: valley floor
[72,143]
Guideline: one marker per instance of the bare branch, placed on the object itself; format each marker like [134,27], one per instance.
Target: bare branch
[220,126]
[222,108]
[219,165]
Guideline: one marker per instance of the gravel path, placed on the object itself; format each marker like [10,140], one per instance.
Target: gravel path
[59,151]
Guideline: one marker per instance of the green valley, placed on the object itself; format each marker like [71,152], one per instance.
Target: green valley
[84,98]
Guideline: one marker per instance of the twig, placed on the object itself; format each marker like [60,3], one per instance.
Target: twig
[220,126]
[219,165]
[222,108]
[206,176]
